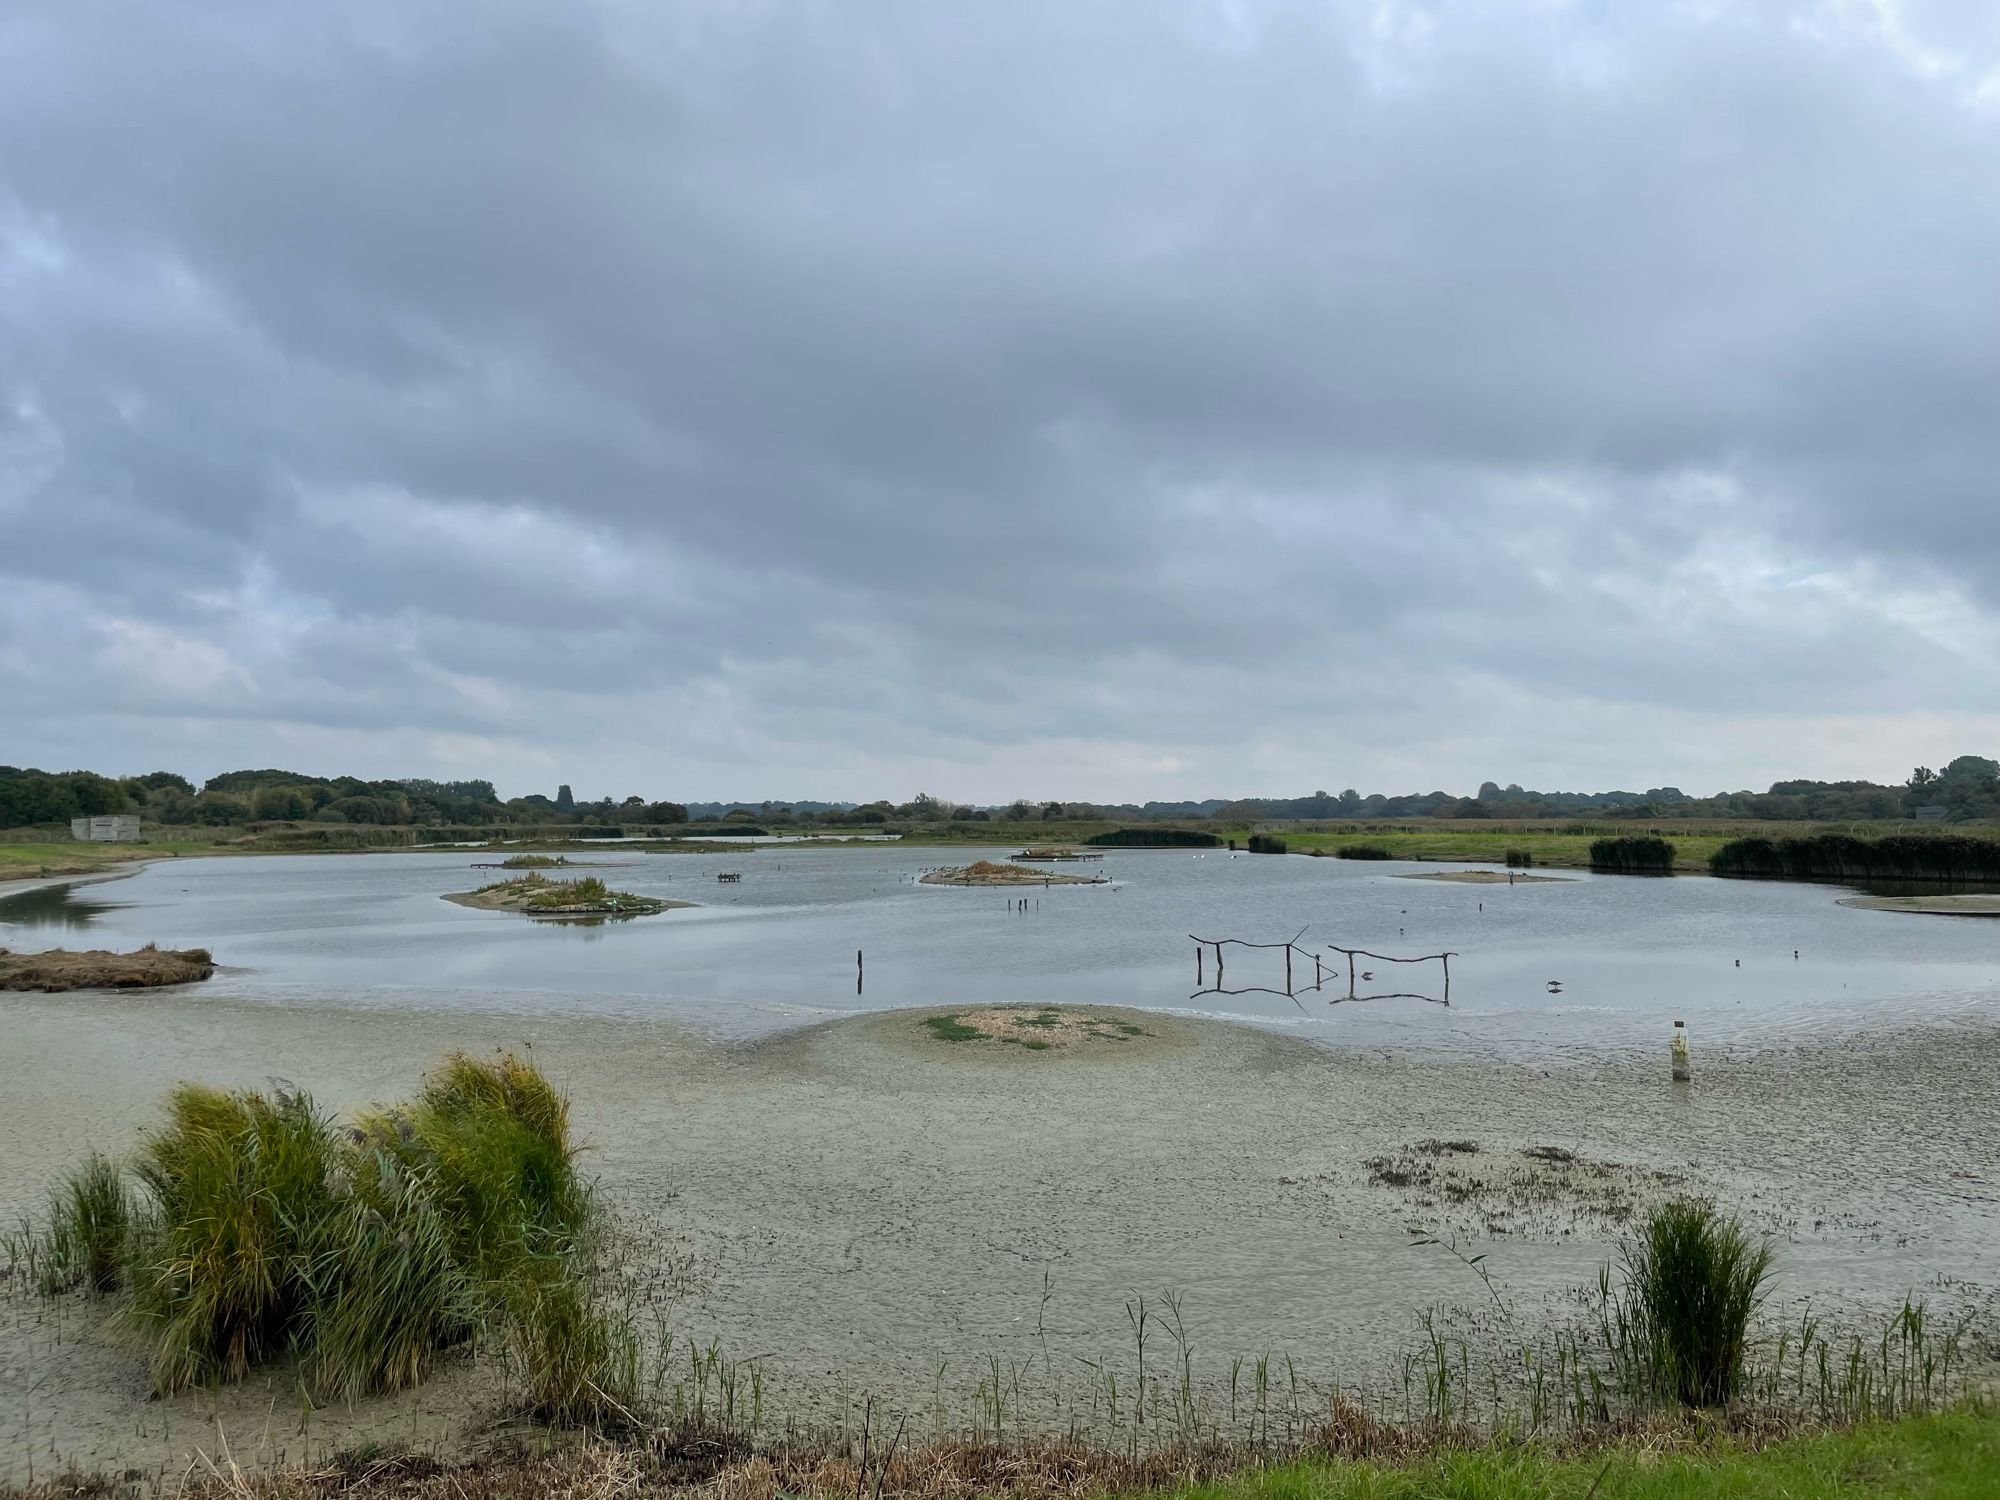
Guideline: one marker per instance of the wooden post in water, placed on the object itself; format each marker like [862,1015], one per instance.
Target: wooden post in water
[1197,966]
[1445,959]
[1288,968]
[857,971]
[1683,1073]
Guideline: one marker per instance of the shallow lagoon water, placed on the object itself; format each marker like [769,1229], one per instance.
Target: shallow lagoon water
[778,949]
[861,1206]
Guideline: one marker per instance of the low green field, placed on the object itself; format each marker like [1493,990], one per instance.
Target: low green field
[1951,1456]
[1549,843]
[26,861]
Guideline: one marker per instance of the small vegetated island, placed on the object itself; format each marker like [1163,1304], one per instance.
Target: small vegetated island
[535,895]
[986,872]
[99,969]
[1036,1028]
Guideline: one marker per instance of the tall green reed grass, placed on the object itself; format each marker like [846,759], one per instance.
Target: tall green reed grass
[1694,1279]
[262,1230]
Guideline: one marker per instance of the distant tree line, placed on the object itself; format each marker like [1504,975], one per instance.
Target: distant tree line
[30,797]
[1966,789]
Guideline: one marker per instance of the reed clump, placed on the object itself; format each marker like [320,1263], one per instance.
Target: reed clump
[1633,854]
[1154,838]
[260,1229]
[1694,1280]
[1519,859]
[1840,856]
[1266,843]
[1363,851]
[90,1213]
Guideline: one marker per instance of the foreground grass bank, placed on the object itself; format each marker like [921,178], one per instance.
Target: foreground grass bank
[1950,1455]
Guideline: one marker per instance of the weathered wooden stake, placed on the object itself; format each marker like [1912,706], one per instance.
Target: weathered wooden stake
[1683,1073]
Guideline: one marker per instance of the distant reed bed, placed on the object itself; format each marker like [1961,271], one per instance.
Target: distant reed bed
[1632,854]
[1841,856]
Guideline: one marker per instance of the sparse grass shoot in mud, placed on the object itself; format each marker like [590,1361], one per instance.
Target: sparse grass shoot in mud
[90,1214]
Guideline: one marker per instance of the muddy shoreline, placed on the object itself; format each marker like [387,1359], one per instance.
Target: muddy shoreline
[868,1210]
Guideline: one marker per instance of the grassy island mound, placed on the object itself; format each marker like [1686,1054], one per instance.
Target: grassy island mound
[534,861]
[1037,1028]
[537,896]
[986,872]
[99,969]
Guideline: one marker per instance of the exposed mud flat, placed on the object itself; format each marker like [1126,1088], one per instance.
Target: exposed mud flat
[867,1210]
[1543,1192]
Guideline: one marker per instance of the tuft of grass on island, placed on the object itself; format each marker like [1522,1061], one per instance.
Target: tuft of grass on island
[146,968]
[535,895]
[986,872]
[1036,1028]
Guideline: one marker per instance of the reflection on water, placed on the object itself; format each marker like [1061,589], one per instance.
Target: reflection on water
[1920,887]
[53,908]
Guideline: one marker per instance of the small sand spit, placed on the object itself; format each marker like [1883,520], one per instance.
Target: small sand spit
[1965,904]
[99,969]
[1489,877]
[986,872]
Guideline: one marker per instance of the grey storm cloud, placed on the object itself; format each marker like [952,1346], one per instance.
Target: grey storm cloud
[1110,400]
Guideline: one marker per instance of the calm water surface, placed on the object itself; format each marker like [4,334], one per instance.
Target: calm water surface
[1629,954]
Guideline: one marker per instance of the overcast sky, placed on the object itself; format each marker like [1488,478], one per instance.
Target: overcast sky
[1072,399]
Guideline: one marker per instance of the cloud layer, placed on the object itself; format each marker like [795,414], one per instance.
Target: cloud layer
[1107,401]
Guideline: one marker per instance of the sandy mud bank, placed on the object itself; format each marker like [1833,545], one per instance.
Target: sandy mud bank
[863,1208]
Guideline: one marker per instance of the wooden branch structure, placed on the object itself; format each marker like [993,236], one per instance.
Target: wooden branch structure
[1321,971]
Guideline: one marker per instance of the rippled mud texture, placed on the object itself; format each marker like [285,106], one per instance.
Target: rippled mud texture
[866,1210]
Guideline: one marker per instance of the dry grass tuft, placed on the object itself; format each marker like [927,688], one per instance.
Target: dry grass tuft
[99,969]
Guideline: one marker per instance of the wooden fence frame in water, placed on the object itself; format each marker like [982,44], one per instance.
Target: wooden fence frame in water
[1320,971]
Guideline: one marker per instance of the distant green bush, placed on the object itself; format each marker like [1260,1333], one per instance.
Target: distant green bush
[1519,859]
[1363,851]
[1266,843]
[1154,838]
[1641,854]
